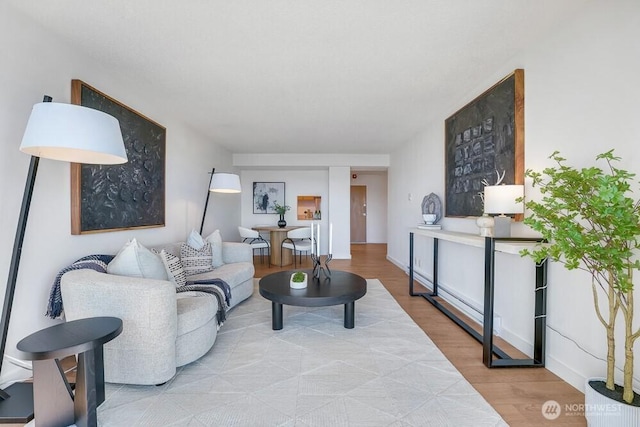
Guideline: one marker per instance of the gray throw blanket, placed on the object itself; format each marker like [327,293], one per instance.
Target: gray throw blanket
[217,287]
[94,262]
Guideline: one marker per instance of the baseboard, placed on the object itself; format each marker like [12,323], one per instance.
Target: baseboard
[566,373]
[12,373]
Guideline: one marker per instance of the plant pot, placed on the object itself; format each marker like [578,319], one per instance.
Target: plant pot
[298,285]
[603,411]
[281,222]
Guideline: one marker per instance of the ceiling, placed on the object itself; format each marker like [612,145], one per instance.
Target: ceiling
[303,76]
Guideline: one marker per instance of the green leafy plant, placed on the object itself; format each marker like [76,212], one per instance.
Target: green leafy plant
[591,223]
[281,209]
[298,277]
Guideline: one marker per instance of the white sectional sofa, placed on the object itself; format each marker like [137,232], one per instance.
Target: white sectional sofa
[162,329]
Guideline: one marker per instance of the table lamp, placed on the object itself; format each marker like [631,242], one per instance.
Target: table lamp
[64,132]
[220,183]
[500,200]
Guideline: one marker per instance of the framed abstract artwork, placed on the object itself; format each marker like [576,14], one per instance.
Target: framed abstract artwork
[120,197]
[265,194]
[484,142]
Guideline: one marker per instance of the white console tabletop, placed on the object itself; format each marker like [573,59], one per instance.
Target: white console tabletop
[506,246]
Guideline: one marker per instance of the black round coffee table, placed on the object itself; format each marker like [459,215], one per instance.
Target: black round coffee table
[341,288]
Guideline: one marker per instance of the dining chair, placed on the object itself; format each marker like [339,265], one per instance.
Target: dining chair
[253,238]
[298,240]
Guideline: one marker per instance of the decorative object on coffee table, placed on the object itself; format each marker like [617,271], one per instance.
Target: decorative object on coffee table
[298,280]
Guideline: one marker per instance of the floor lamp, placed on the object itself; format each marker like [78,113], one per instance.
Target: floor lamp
[60,132]
[220,183]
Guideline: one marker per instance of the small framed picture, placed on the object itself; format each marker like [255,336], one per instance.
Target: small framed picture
[265,194]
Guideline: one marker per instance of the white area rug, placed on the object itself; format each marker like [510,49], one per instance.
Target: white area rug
[313,372]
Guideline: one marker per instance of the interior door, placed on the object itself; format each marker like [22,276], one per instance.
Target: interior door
[358,214]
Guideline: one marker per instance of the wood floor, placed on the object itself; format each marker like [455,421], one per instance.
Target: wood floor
[517,394]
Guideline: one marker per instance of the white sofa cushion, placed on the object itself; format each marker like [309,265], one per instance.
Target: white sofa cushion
[195,310]
[134,260]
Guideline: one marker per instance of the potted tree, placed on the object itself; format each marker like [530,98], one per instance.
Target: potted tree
[592,223]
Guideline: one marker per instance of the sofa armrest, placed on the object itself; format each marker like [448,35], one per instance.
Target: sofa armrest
[236,252]
[144,353]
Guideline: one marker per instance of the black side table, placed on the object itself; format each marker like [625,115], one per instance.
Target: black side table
[54,401]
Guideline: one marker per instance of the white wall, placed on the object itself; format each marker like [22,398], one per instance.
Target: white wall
[581,98]
[36,63]
[376,183]
[297,183]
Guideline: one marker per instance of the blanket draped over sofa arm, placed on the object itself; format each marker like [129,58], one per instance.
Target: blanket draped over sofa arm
[93,262]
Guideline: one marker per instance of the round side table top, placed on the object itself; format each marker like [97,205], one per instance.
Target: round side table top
[341,288]
[65,339]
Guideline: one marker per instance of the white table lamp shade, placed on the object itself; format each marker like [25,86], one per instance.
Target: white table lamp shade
[501,199]
[73,133]
[225,183]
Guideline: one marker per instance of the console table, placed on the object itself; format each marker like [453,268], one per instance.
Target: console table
[491,245]
[55,403]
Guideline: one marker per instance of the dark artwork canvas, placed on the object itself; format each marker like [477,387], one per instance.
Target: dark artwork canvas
[483,141]
[265,194]
[130,195]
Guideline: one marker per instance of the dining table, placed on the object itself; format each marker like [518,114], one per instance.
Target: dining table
[276,237]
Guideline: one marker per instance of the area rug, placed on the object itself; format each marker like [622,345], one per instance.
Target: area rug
[314,372]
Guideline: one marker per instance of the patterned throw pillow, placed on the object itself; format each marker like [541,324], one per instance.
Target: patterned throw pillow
[174,268]
[196,261]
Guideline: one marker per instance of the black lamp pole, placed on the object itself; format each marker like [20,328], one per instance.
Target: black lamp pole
[206,203]
[16,401]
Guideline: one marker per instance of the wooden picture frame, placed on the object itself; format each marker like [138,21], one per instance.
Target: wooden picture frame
[484,140]
[265,194]
[126,196]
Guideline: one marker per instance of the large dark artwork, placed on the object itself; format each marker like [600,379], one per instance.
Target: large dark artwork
[484,141]
[126,196]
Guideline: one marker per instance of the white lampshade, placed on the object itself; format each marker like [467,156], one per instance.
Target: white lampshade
[501,199]
[73,133]
[225,183]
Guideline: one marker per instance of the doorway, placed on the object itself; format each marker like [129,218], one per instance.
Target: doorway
[358,214]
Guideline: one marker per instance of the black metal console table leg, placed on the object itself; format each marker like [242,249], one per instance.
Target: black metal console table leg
[506,361]
[486,338]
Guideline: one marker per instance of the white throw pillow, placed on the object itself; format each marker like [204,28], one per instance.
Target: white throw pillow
[215,239]
[195,240]
[135,260]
